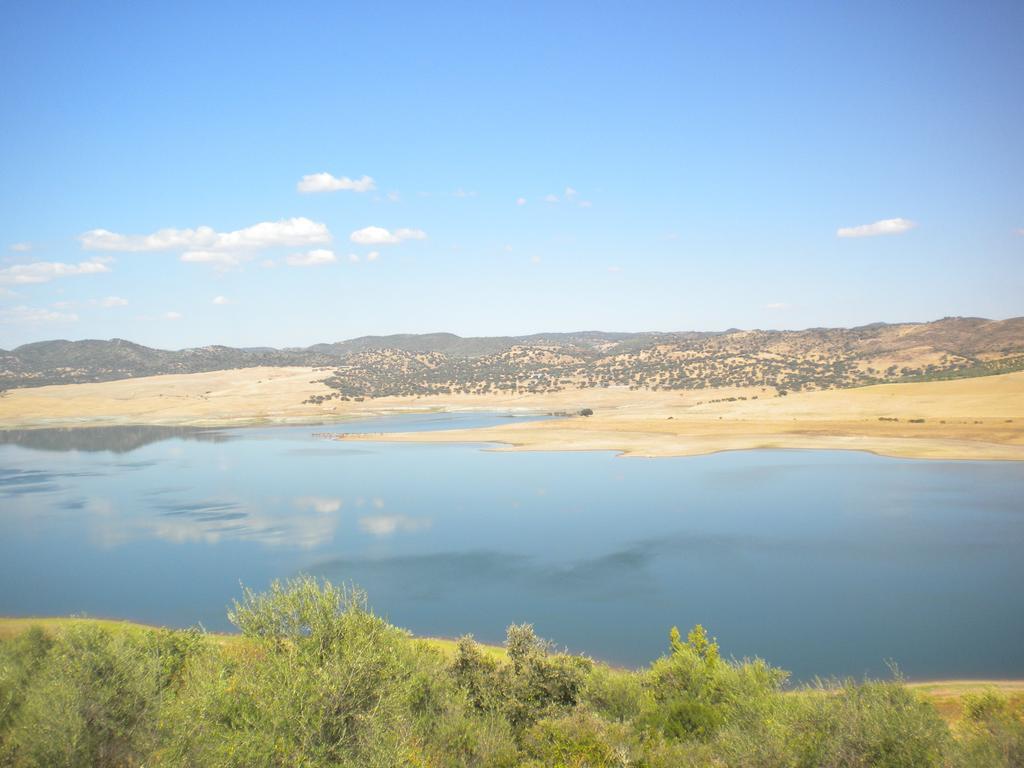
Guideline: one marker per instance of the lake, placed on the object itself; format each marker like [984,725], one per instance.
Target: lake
[824,563]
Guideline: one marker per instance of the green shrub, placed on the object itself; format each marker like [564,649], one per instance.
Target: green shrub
[577,740]
[325,683]
[536,683]
[20,660]
[92,701]
[871,724]
[616,695]
[695,692]
[992,734]
[477,675]
[318,680]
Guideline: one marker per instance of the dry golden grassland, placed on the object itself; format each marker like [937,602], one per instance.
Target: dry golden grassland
[978,418]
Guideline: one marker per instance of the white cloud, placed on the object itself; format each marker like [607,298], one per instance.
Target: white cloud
[585,204]
[550,198]
[173,315]
[372,255]
[220,301]
[21,247]
[394,197]
[1020,231]
[385,525]
[520,201]
[205,245]
[268,234]
[311,258]
[325,182]
[462,193]
[777,305]
[373,236]
[570,193]
[353,257]
[884,227]
[113,301]
[161,240]
[614,269]
[32,315]
[45,271]
[535,259]
[381,236]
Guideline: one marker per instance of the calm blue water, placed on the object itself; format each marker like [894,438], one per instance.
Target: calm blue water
[821,562]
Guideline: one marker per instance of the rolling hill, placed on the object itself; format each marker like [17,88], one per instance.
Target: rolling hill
[443,363]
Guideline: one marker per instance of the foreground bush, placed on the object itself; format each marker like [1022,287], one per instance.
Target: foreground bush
[92,699]
[316,679]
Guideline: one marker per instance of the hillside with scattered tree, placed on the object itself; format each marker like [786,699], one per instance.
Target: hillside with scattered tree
[432,364]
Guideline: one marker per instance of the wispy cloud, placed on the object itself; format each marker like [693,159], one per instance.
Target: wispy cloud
[463,193]
[777,305]
[221,301]
[45,271]
[33,315]
[382,236]
[106,303]
[311,258]
[325,182]
[520,201]
[20,247]
[883,227]
[172,315]
[569,196]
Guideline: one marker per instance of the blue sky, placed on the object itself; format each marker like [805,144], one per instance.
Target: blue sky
[542,167]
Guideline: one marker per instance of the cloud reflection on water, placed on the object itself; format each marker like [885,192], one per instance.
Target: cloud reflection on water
[323,505]
[386,525]
[305,523]
[19,482]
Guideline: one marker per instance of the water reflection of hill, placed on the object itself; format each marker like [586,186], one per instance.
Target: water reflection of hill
[114,439]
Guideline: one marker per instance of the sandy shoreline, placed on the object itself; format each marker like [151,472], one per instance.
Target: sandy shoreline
[980,418]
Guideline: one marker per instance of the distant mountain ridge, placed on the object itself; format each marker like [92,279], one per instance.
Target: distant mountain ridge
[433,363]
